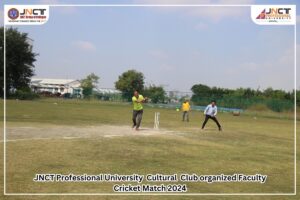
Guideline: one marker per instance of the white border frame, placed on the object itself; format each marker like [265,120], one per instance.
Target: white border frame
[154,194]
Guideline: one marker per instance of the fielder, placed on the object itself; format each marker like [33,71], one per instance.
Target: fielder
[210,112]
[137,114]
[185,110]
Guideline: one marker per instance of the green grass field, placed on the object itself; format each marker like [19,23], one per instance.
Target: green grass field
[255,142]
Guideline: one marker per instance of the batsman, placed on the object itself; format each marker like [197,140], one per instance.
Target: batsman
[137,114]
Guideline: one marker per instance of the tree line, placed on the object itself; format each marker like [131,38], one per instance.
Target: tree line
[19,67]
[132,80]
[276,100]
[127,83]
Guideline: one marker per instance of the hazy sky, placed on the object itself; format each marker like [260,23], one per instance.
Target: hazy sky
[175,47]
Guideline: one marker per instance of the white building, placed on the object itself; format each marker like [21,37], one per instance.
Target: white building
[107,91]
[55,86]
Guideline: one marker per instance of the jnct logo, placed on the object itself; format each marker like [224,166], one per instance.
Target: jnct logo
[275,13]
[29,12]
[26,14]
[37,13]
[13,13]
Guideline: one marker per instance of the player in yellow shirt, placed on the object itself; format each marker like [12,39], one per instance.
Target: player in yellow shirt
[137,114]
[185,110]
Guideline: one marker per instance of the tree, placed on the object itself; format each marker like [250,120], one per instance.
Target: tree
[201,90]
[239,92]
[268,92]
[279,94]
[157,94]
[249,93]
[88,84]
[19,60]
[201,93]
[297,97]
[130,81]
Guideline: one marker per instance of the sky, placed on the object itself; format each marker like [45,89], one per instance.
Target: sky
[175,47]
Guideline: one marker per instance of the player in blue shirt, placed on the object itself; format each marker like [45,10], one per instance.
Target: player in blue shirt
[210,112]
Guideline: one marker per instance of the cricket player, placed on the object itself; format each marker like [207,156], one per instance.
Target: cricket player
[210,112]
[137,115]
[185,110]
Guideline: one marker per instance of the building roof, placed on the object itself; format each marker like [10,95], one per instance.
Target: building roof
[107,91]
[52,81]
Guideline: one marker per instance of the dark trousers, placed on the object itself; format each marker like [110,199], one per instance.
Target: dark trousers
[137,116]
[207,117]
[185,113]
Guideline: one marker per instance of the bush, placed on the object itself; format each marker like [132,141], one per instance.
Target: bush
[278,105]
[24,94]
[49,94]
[254,103]
[67,95]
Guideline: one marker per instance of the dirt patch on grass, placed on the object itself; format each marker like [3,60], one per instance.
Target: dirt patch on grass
[73,132]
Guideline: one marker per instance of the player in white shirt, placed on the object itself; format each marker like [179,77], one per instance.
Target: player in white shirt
[210,112]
